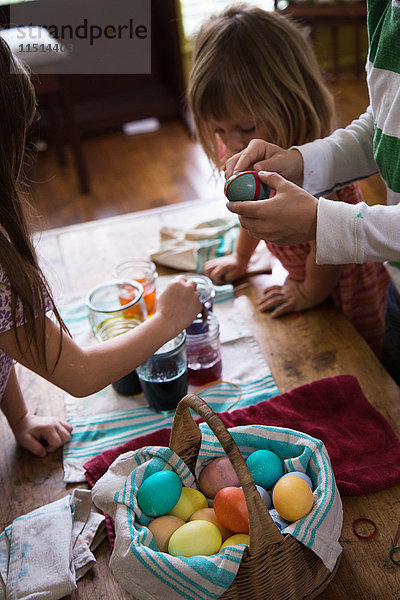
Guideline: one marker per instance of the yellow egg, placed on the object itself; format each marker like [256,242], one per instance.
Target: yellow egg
[194,539]
[189,501]
[238,538]
[208,514]
[292,498]
[162,528]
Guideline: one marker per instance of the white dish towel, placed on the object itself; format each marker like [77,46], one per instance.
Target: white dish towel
[45,552]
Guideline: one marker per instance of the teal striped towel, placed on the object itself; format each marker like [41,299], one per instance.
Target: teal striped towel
[135,561]
[152,575]
[320,529]
[106,419]
[190,249]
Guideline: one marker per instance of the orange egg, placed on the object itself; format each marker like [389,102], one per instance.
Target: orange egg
[208,514]
[231,509]
[162,528]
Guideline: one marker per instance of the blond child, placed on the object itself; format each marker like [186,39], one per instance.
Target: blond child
[255,75]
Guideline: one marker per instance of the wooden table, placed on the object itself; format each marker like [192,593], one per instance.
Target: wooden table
[299,348]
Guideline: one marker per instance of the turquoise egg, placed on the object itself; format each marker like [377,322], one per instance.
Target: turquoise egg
[265,468]
[154,465]
[302,476]
[246,186]
[159,493]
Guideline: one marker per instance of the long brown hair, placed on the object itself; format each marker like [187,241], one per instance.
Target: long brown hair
[28,285]
[262,64]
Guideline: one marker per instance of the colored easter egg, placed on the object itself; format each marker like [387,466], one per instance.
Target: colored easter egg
[162,528]
[278,520]
[231,509]
[246,185]
[189,501]
[235,540]
[217,474]
[208,514]
[195,538]
[265,497]
[155,465]
[292,498]
[159,493]
[265,468]
[301,475]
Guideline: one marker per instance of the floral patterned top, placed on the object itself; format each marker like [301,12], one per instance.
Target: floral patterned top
[6,362]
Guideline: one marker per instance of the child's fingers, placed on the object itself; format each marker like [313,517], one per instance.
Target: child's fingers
[272,297]
[64,431]
[275,181]
[257,150]
[33,445]
[282,309]
[57,436]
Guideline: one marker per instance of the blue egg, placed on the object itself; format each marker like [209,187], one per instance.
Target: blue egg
[265,468]
[265,497]
[154,465]
[278,520]
[302,476]
[159,493]
[246,185]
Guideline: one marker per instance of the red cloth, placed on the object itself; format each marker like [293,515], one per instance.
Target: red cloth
[362,446]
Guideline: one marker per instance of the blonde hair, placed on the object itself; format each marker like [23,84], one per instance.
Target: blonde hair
[262,64]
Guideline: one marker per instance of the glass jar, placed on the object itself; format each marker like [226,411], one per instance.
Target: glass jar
[204,351]
[116,307]
[206,290]
[144,271]
[163,376]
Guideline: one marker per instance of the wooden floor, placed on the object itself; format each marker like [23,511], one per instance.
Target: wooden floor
[131,173]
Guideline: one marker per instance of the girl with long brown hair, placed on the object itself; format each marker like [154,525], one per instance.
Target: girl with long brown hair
[29,334]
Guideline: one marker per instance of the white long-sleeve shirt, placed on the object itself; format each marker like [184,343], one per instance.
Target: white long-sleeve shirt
[360,233]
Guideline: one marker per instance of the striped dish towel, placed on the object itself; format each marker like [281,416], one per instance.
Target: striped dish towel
[45,552]
[320,529]
[136,562]
[106,419]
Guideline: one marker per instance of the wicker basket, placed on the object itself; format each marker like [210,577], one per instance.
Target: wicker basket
[274,566]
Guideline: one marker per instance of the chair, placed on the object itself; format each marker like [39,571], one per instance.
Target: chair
[52,89]
[334,15]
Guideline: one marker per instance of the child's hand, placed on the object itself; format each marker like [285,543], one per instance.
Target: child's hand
[225,269]
[179,303]
[263,156]
[290,217]
[286,298]
[41,435]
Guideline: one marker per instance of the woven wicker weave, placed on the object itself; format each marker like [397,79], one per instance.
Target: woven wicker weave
[274,566]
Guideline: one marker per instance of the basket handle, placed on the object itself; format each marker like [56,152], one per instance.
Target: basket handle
[263,531]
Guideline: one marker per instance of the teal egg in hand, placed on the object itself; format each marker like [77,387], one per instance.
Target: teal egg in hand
[246,186]
[159,493]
